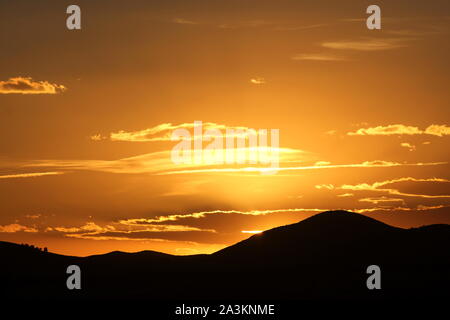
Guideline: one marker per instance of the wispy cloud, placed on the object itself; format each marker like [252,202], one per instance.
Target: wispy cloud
[400,129]
[383,199]
[366,164]
[183,21]
[438,130]
[162,132]
[97,137]
[30,175]
[164,219]
[345,195]
[159,162]
[203,214]
[124,230]
[258,80]
[408,145]
[26,85]
[318,57]
[377,187]
[12,228]
[370,44]
[393,209]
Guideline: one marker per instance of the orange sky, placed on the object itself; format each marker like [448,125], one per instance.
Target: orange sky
[85,163]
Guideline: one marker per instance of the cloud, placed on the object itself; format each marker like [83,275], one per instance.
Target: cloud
[367,44]
[163,132]
[26,85]
[438,130]
[33,216]
[408,145]
[392,129]
[90,227]
[163,220]
[400,129]
[317,57]
[203,214]
[160,228]
[383,199]
[258,80]
[365,164]
[325,186]
[12,228]
[344,195]
[97,137]
[156,162]
[125,230]
[392,209]
[376,187]
[30,175]
[322,163]
[183,21]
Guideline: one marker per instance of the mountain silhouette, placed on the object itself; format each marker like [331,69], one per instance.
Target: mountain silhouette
[324,256]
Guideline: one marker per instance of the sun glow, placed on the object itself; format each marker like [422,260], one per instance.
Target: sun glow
[252,231]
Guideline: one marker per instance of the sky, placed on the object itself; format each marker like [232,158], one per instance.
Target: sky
[87,116]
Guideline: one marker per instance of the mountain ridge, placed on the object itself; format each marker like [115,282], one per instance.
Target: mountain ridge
[324,256]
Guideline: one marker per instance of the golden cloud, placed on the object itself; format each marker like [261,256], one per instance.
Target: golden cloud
[367,44]
[26,85]
[123,230]
[258,80]
[400,129]
[365,164]
[163,132]
[156,162]
[390,209]
[30,175]
[376,187]
[408,145]
[438,130]
[383,199]
[12,228]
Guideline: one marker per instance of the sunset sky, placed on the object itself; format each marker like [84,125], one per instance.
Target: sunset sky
[86,118]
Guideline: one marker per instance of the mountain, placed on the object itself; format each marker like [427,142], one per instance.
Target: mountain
[324,256]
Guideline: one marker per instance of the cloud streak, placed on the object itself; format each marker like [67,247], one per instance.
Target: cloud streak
[400,129]
[13,228]
[163,132]
[376,187]
[367,44]
[258,80]
[30,175]
[317,57]
[125,230]
[203,214]
[155,163]
[26,85]
[183,21]
[365,164]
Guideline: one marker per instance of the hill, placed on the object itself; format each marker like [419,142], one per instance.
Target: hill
[324,256]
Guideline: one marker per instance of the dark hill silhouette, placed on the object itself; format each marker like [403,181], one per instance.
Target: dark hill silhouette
[324,256]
